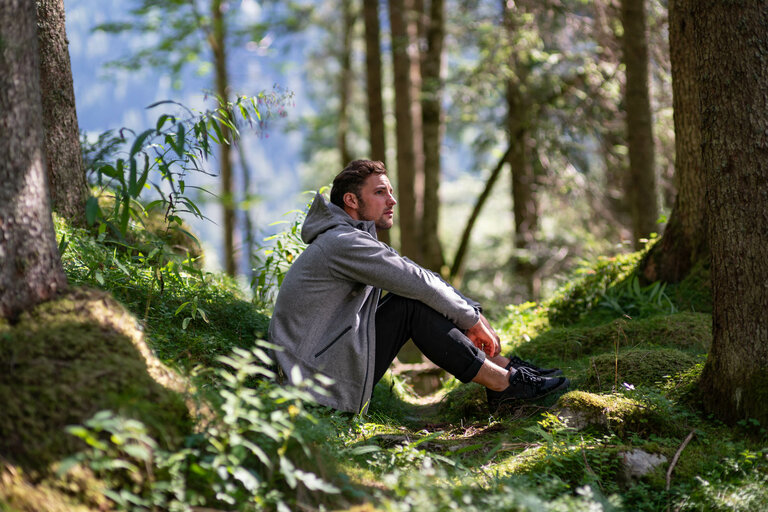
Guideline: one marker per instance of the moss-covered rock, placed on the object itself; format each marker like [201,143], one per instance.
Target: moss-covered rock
[687,331]
[614,412]
[636,367]
[69,358]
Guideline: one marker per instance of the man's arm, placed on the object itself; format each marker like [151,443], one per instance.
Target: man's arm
[357,256]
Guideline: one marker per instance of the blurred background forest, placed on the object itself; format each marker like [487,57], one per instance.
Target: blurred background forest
[515,144]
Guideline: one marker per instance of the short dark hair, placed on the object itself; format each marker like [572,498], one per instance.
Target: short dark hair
[353,176]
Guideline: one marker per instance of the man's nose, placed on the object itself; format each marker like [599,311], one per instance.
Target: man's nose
[391,200]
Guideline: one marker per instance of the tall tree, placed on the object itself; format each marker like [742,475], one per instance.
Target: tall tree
[345,79]
[642,183]
[685,237]
[410,161]
[525,206]
[732,42]
[217,39]
[66,173]
[376,129]
[30,265]
[431,111]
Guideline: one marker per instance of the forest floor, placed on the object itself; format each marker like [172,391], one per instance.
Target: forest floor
[629,433]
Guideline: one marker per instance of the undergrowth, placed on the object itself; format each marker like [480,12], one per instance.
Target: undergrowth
[633,351]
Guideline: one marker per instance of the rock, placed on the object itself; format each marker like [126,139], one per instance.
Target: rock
[638,463]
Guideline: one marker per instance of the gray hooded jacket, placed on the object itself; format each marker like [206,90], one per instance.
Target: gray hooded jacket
[325,310]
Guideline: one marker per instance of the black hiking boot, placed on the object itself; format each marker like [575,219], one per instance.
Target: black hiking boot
[525,386]
[515,362]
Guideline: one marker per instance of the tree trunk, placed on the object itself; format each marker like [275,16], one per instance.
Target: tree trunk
[642,186]
[409,142]
[345,80]
[30,265]
[431,111]
[732,44]
[685,238]
[217,41]
[66,174]
[525,206]
[373,82]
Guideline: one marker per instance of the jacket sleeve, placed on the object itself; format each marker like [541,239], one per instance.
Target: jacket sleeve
[356,255]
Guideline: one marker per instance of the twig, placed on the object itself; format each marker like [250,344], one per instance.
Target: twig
[597,374]
[676,458]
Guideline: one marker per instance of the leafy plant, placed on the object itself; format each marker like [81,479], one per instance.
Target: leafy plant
[255,453]
[271,263]
[629,299]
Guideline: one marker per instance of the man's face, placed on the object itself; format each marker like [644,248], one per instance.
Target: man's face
[375,203]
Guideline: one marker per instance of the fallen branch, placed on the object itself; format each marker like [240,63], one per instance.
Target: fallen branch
[676,458]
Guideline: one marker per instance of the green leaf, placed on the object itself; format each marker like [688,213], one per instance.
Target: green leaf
[179,147]
[92,210]
[139,142]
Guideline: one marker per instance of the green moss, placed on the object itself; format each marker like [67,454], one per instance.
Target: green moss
[636,367]
[687,331]
[70,358]
[614,412]
[694,293]
[580,296]
[156,294]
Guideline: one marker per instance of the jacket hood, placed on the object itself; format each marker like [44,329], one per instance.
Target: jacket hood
[323,215]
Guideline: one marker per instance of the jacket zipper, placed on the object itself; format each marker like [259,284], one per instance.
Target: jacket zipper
[334,341]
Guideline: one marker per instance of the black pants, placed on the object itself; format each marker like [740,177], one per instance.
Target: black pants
[399,319]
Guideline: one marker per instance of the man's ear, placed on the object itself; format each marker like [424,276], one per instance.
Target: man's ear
[350,200]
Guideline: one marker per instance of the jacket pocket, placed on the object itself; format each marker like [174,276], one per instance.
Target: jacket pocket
[337,338]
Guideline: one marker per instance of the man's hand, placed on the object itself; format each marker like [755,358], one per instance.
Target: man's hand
[484,337]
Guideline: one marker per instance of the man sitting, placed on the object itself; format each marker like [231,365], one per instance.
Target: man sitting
[331,319]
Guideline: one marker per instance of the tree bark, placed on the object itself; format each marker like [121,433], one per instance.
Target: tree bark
[409,141]
[30,264]
[217,41]
[374,87]
[642,191]
[66,173]
[431,64]
[525,208]
[732,45]
[685,238]
[345,80]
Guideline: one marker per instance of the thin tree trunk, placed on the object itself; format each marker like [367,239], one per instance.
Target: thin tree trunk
[30,264]
[457,269]
[685,238]
[374,87]
[248,238]
[217,40]
[409,142]
[431,65]
[525,206]
[66,173]
[732,44]
[345,80]
[642,191]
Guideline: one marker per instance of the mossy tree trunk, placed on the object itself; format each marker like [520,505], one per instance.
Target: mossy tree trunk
[685,238]
[30,265]
[642,183]
[373,86]
[732,73]
[66,173]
